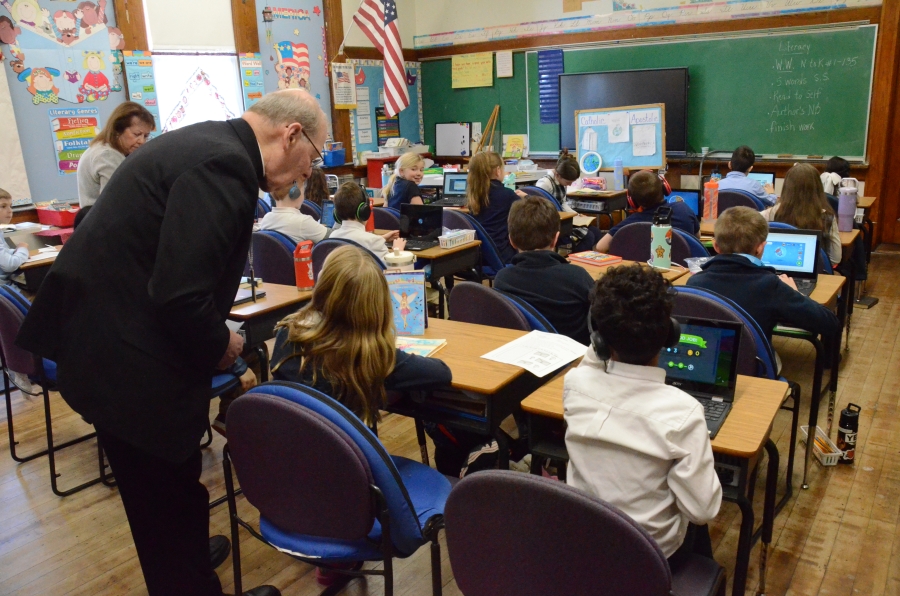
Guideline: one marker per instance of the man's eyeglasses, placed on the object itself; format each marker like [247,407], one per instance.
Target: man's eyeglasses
[316,163]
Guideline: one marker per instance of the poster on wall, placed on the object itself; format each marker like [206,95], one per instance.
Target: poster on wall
[292,47]
[141,84]
[344,86]
[252,82]
[72,130]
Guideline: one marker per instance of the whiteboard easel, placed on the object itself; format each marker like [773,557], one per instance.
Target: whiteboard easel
[452,139]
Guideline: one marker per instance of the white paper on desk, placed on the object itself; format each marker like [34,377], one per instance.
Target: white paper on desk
[234,325]
[617,127]
[48,249]
[42,257]
[538,352]
[27,224]
[644,140]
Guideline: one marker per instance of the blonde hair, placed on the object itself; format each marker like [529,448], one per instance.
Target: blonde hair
[478,184]
[803,203]
[38,15]
[346,333]
[740,230]
[406,161]
[4,195]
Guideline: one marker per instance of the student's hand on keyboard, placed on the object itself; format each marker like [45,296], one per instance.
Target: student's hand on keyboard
[788,280]
[399,244]
[769,189]
[390,235]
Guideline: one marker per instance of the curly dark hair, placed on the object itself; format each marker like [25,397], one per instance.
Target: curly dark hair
[630,309]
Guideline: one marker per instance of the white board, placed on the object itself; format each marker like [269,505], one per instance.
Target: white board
[13,178]
[452,139]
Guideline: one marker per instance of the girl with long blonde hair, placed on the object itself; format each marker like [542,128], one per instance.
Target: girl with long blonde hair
[403,185]
[803,205]
[489,201]
[343,342]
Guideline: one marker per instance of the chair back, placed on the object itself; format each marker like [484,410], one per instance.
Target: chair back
[12,314]
[273,257]
[738,198]
[311,209]
[456,220]
[321,251]
[825,264]
[756,358]
[471,302]
[632,243]
[695,247]
[339,441]
[557,539]
[490,255]
[262,207]
[540,192]
[385,219]
[536,320]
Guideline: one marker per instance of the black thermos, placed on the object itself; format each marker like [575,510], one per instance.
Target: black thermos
[847,431]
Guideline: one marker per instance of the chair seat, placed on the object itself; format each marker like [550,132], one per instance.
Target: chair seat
[419,481]
[698,576]
[223,382]
[49,371]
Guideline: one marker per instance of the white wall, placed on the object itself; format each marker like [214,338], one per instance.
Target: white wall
[200,25]
[406,15]
[439,16]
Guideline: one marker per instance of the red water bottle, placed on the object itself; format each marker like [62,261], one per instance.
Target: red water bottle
[370,223]
[303,266]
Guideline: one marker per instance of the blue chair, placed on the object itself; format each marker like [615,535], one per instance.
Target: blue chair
[311,209]
[536,320]
[734,197]
[491,262]
[262,207]
[511,534]
[386,218]
[472,302]
[632,243]
[321,251]
[540,192]
[333,495]
[456,220]
[825,263]
[273,257]
[694,245]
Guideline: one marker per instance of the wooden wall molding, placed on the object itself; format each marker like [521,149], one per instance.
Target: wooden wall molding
[130,19]
[334,37]
[243,21]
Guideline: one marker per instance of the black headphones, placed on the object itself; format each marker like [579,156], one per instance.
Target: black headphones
[363,210]
[602,349]
[667,190]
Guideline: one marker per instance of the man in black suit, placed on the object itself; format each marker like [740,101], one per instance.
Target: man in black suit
[133,312]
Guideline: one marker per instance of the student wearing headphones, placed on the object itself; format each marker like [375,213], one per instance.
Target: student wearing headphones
[351,210]
[634,441]
[645,196]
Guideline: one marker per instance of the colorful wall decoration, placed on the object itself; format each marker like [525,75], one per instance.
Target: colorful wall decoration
[141,85]
[252,81]
[72,130]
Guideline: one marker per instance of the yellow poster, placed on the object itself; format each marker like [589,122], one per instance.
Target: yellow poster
[473,70]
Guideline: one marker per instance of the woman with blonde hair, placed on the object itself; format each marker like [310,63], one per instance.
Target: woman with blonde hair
[489,201]
[128,127]
[343,342]
[403,185]
[803,205]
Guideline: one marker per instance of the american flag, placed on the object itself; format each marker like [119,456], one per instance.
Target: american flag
[295,55]
[378,20]
[342,77]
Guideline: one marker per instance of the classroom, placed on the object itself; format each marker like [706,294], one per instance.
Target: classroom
[333,297]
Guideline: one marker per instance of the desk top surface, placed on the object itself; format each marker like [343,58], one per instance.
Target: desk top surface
[583,193]
[827,287]
[277,296]
[707,228]
[437,252]
[466,343]
[866,202]
[756,401]
[596,272]
[41,263]
[847,238]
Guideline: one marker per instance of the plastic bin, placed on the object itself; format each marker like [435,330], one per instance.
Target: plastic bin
[830,458]
[60,219]
[334,158]
[457,238]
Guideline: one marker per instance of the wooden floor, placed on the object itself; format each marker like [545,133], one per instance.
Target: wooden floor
[839,537]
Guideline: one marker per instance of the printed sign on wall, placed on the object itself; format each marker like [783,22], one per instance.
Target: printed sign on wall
[72,130]
[141,84]
[252,82]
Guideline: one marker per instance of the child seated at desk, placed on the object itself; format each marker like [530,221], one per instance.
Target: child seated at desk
[489,202]
[738,273]
[803,205]
[285,217]
[343,342]
[557,289]
[10,258]
[634,441]
[350,204]
[741,164]
[556,184]
[645,190]
[403,186]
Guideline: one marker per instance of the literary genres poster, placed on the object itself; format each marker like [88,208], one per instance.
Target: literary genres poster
[72,130]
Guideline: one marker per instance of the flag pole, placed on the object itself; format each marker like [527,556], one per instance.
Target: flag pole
[347,32]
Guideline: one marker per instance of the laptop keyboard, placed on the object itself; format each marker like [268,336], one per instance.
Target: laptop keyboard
[416,245]
[805,286]
[450,202]
[715,413]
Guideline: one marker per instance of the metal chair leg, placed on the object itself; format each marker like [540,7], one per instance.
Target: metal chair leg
[420,436]
[52,449]
[232,516]
[435,566]
[105,478]
[209,437]
[10,428]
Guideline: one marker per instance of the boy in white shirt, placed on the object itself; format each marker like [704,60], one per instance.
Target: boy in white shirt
[350,204]
[286,218]
[10,259]
[634,441]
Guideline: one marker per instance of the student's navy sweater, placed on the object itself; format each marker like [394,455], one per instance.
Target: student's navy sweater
[682,218]
[555,288]
[767,299]
[403,192]
[493,219]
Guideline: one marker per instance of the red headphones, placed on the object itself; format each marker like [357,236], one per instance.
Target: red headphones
[667,190]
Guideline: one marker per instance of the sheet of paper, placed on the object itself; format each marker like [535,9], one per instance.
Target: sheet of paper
[42,256]
[472,70]
[363,108]
[363,121]
[644,142]
[362,94]
[365,136]
[27,224]
[233,325]
[617,127]
[504,65]
[539,353]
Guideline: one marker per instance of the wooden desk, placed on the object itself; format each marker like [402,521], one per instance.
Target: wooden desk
[707,228]
[607,201]
[866,202]
[597,272]
[738,444]
[35,271]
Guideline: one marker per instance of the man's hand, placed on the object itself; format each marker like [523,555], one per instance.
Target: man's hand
[248,380]
[235,345]
[788,280]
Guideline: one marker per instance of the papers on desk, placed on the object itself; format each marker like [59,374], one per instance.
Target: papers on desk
[24,225]
[538,352]
[42,256]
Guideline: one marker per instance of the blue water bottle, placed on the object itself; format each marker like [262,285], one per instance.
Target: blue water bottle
[618,174]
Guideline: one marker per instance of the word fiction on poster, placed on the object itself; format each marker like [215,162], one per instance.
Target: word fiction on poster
[72,130]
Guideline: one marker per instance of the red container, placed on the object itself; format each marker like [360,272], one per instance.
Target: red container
[60,219]
[303,267]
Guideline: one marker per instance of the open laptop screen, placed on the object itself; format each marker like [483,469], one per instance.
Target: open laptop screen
[705,359]
[455,184]
[691,198]
[421,221]
[327,214]
[763,177]
[792,251]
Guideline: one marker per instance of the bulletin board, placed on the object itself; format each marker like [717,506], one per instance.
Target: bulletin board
[364,120]
[636,134]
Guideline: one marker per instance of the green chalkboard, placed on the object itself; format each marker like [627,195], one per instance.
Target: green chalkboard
[799,93]
[737,93]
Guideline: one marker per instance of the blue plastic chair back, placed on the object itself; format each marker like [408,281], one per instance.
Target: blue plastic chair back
[386,218]
[735,201]
[311,209]
[540,192]
[262,208]
[764,353]
[490,255]
[537,321]
[825,265]
[321,251]
[284,239]
[456,220]
[695,246]
[406,530]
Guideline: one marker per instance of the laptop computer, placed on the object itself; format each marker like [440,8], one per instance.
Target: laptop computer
[795,253]
[327,218]
[33,242]
[690,197]
[763,177]
[704,365]
[420,225]
[454,193]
